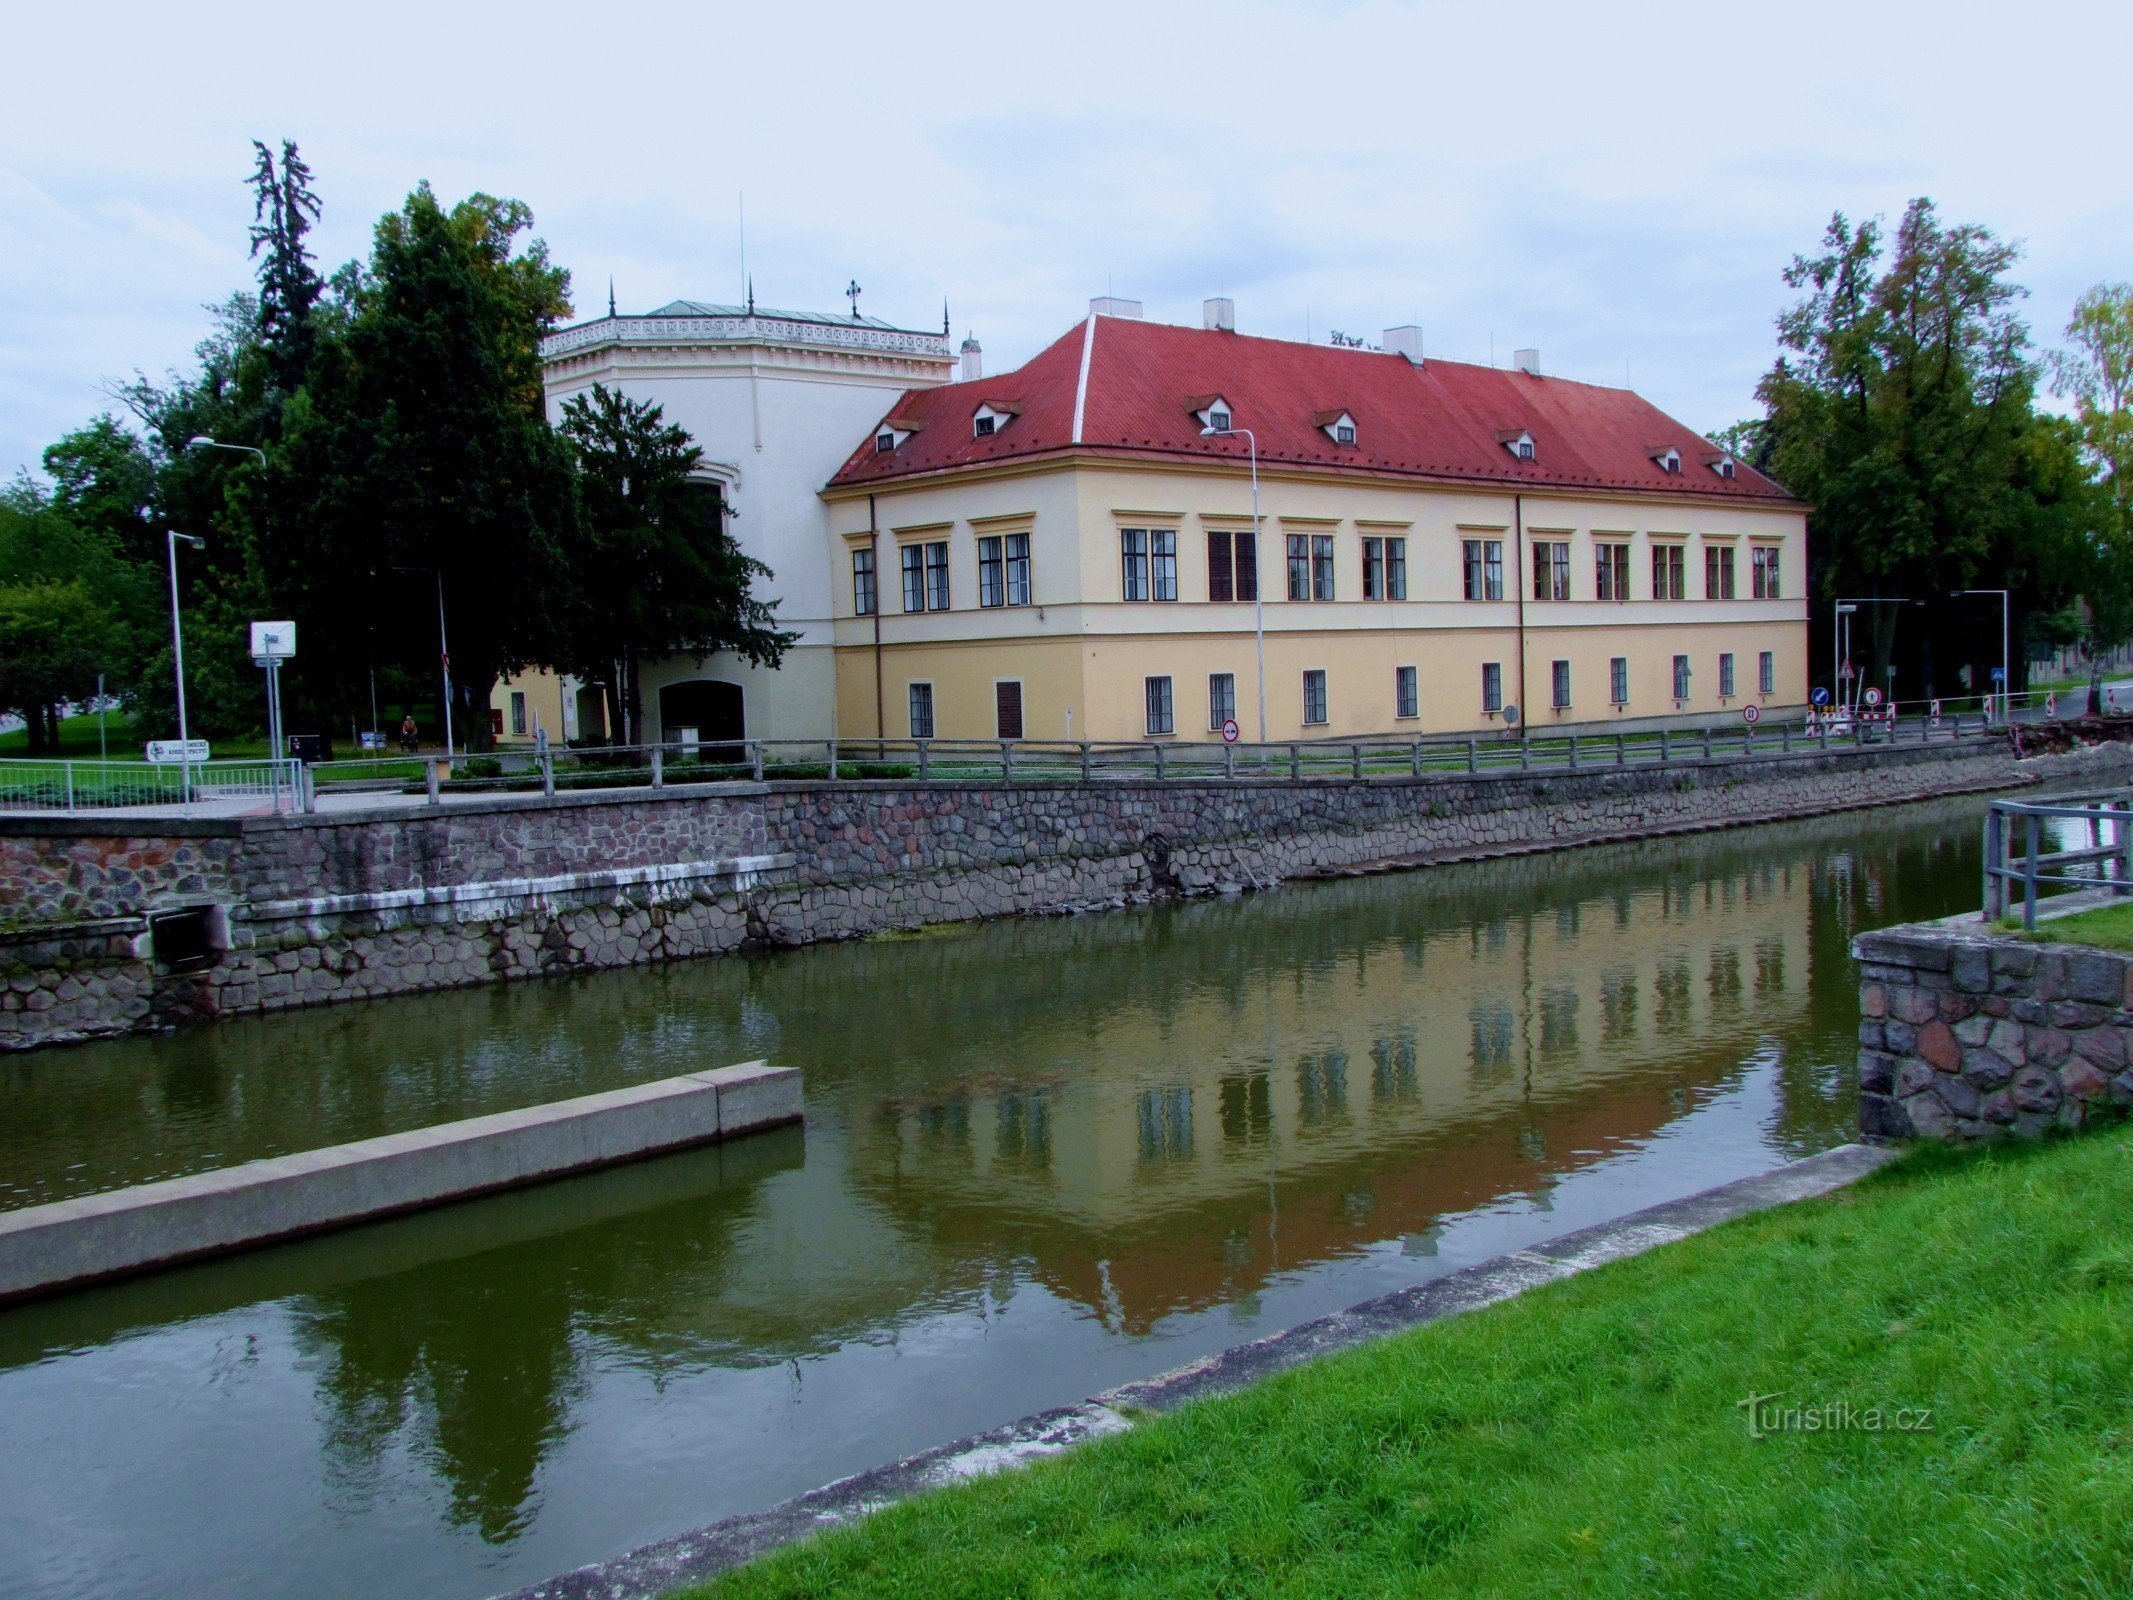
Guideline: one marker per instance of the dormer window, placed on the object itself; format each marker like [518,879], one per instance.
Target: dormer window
[1339,426]
[893,432]
[1212,411]
[990,417]
[884,442]
[1723,464]
[1519,442]
[1218,420]
[1668,459]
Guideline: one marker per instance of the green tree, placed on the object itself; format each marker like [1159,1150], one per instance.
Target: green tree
[1900,408]
[71,612]
[2096,373]
[655,570]
[283,209]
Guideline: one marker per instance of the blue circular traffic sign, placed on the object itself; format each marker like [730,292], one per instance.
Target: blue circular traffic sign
[1820,697]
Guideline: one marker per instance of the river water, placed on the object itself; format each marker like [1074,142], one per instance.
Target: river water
[1041,1158]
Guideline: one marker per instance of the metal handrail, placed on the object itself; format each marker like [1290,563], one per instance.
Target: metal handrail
[2038,869]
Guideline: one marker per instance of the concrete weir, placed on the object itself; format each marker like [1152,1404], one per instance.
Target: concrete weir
[49,1248]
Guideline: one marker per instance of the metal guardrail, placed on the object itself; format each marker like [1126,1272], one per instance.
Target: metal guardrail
[112,785]
[2041,865]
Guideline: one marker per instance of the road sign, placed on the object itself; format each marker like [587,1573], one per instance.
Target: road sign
[1229,731]
[1872,697]
[1751,714]
[1933,713]
[1510,716]
[1845,671]
[1820,697]
[1999,675]
[173,753]
[273,641]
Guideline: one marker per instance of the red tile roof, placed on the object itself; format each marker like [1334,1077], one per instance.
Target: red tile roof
[1441,421]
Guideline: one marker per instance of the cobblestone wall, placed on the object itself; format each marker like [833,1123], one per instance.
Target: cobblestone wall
[390,902]
[1966,1034]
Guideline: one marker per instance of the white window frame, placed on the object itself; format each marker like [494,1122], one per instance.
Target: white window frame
[1169,708]
[1559,684]
[911,689]
[1406,694]
[1325,697]
[1618,680]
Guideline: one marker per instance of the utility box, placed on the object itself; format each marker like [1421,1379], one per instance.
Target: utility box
[310,747]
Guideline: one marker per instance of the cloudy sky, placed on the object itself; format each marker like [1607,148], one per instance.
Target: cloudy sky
[1620,186]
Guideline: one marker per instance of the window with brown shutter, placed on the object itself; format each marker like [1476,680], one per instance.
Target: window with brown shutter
[1007,705]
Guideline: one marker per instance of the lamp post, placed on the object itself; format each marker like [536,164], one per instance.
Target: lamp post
[2006,633]
[1258,567]
[177,650]
[444,652]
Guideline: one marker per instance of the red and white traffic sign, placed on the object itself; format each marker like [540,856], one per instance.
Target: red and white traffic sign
[2051,705]
[1751,714]
[1872,697]
[1229,731]
[1933,713]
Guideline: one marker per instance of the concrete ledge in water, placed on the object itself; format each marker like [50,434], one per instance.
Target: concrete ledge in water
[44,1249]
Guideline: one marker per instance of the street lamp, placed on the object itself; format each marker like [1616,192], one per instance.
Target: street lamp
[2006,665]
[1258,567]
[201,441]
[177,650]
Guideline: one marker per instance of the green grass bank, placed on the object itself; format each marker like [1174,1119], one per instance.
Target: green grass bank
[2107,927]
[1947,1349]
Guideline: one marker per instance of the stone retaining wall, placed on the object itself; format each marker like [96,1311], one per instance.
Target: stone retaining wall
[1969,1034]
[319,909]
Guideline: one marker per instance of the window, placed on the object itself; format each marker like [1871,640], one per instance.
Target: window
[863,598]
[1406,697]
[1396,569]
[1766,673]
[1322,566]
[1725,675]
[1218,419]
[1384,569]
[1018,569]
[1718,572]
[1232,566]
[1221,699]
[1133,563]
[1763,572]
[1483,561]
[518,712]
[1344,433]
[1681,677]
[1724,466]
[884,442]
[1373,569]
[1299,567]
[1492,686]
[1669,572]
[1611,571]
[921,710]
[1160,719]
[1523,449]
[1618,681]
[1669,461]
[1561,676]
[1551,569]
[1315,696]
[1007,709]
[937,576]
[984,427]
[992,572]
[1163,560]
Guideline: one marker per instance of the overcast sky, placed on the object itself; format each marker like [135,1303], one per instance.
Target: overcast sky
[1619,186]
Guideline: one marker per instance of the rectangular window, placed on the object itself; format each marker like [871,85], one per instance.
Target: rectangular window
[1133,563]
[1163,562]
[914,559]
[1766,673]
[1314,696]
[1221,567]
[1322,566]
[863,582]
[1681,677]
[921,710]
[992,572]
[1725,675]
[1611,571]
[1492,686]
[1373,569]
[1406,697]
[1007,709]
[1396,569]
[937,576]
[518,712]
[1018,569]
[1618,681]
[1718,572]
[1561,675]
[1299,567]
[1763,572]
[1551,569]
[1221,699]
[1483,562]
[1160,719]
[1669,572]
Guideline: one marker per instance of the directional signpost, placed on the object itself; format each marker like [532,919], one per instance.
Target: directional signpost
[177,752]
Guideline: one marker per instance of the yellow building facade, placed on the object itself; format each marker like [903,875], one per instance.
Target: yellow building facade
[1084,587]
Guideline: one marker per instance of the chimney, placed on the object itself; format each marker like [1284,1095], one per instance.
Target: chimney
[1219,313]
[1405,340]
[1105,305]
[973,359]
[1527,361]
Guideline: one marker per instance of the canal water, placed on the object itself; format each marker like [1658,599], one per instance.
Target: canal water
[1041,1158]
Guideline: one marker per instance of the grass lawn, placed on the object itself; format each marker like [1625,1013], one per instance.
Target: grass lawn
[77,741]
[1588,1439]
[2110,927]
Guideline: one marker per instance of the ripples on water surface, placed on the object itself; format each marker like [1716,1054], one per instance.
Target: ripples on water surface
[1041,1158]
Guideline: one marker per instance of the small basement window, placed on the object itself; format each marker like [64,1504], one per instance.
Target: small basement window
[182,939]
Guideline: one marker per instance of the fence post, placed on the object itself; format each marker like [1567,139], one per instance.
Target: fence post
[1621,751]
[70,785]
[833,761]
[1666,746]
[1084,761]
[925,759]
[1822,733]
[1295,763]
[2125,850]
[1229,759]
[1992,864]
[1707,742]
[429,769]
[1473,756]
[1007,761]
[548,772]
[1418,758]
[2029,873]
[1785,738]
[1355,752]
[659,766]
[1158,749]
[1573,752]
[307,787]
[755,758]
